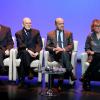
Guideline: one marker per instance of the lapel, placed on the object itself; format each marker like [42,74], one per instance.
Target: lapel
[55,35]
[64,37]
[2,32]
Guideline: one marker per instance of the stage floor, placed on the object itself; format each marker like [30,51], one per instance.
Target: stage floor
[10,91]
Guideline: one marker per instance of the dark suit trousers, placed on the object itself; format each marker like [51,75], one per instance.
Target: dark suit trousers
[24,67]
[65,59]
[94,67]
[2,56]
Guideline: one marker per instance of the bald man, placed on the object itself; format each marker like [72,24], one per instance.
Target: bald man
[29,44]
[60,46]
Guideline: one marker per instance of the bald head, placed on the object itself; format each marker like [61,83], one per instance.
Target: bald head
[59,22]
[27,23]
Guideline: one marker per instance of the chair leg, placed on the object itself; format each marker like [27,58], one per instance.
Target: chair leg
[39,77]
[46,78]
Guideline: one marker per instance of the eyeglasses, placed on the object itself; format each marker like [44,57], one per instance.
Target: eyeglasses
[97,26]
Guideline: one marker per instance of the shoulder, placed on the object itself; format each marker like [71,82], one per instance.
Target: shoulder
[5,27]
[67,33]
[90,35]
[18,32]
[51,33]
[35,30]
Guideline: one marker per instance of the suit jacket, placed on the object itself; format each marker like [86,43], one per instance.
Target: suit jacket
[52,41]
[34,42]
[92,44]
[6,41]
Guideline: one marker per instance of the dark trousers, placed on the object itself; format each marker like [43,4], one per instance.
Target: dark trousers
[2,57]
[94,67]
[24,68]
[65,59]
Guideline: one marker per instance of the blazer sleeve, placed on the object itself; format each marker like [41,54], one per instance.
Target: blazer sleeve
[88,43]
[39,44]
[20,43]
[70,45]
[10,42]
[50,44]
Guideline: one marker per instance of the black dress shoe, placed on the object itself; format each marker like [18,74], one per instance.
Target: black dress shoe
[21,85]
[59,88]
[82,79]
[73,78]
[72,85]
[30,76]
[60,85]
[86,86]
[2,82]
[30,86]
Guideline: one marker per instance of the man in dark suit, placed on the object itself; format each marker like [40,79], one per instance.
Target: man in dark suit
[29,44]
[6,43]
[60,46]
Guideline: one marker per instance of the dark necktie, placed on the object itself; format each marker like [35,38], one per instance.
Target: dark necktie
[27,32]
[59,40]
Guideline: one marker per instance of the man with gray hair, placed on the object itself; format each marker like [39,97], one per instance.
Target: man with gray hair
[29,44]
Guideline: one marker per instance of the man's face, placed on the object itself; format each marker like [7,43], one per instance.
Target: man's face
[59,24]
[27,23]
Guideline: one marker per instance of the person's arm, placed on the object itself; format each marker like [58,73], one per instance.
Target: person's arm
[20,44]
[39,44]
[32,54]
[9,42]
[88,46]
[70,45]
[50,44]
[88,49]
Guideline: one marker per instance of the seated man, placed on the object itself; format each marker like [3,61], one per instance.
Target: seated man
[6,43]
[60,46]
[92,47]
[29,44]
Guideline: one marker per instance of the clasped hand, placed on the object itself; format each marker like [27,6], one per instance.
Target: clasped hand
[90,52]
[32,53]
[58,49]
[7,52]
